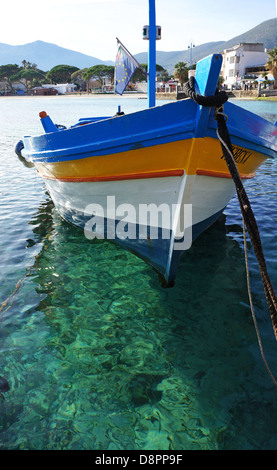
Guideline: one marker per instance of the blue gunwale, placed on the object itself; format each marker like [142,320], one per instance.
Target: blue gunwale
[171,122]
[162,124]
[260,136]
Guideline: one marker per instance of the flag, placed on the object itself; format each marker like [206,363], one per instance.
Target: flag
[125,67]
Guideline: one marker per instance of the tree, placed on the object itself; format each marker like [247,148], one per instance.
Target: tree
[78,79]
[6,72]
[220,81]
[28,65]
[141,76]
[26,76]
[61,73]
[164,76]
[160,71]
[181,72]
[272,64]
[99,72]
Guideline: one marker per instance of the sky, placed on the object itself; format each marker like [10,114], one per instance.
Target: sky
[91,26]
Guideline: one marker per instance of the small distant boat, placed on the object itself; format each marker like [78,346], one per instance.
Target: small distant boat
[153,180]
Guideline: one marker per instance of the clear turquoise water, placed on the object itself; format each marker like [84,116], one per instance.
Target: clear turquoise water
[97,354]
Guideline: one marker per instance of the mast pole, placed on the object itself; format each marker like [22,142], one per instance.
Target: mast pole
[152,55]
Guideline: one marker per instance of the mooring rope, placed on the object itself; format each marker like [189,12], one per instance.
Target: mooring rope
[218,99]
[247,214]
[252,306]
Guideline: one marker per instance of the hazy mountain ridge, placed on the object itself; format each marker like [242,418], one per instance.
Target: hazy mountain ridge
[47,55]
[169,59]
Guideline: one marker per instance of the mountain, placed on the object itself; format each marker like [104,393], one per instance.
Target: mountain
[46,56]
[169,59]
[265,33]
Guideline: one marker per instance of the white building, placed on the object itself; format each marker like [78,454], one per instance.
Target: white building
[240,57]
[62,88]
[161,87]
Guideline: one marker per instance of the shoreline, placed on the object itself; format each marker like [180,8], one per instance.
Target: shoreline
[143,96]
[79,95]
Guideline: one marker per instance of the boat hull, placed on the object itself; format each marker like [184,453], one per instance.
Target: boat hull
[155,218]
[165,161]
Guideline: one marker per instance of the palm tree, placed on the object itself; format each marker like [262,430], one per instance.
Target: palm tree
[181,72]
[272,64]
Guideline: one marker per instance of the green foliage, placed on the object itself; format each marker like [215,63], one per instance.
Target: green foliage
[273,55]
[140,75]
[61,73]
[78,75]
[221,80]
[272,64]
[6,73]
[78,79]
[28,65]
[181,72]
[27,75]
[164,76]
[99,72]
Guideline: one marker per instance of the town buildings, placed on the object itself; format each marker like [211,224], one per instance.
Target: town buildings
[243,63]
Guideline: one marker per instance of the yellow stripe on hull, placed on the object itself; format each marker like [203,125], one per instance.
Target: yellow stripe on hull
[194,156]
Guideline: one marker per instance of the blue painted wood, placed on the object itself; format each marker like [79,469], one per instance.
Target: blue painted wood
[48,124]
[172,122]
[247,130]
[207,73]
[206,78]
[158,125]
[152,55]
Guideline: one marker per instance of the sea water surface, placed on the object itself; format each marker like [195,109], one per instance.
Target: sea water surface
[99,356]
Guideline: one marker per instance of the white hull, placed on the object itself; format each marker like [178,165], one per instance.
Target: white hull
[171,204]
[207,195]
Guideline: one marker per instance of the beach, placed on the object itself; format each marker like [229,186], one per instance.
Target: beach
[143,96]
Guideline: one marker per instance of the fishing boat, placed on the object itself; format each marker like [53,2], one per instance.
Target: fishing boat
[153,180]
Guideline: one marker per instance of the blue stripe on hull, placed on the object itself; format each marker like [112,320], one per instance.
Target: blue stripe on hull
[155,251]
[171,122]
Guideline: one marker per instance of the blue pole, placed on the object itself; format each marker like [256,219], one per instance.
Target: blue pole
[152,55]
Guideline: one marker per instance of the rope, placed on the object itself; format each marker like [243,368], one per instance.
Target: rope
[249,220]
[216,100]
[248,217]
[252,306]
